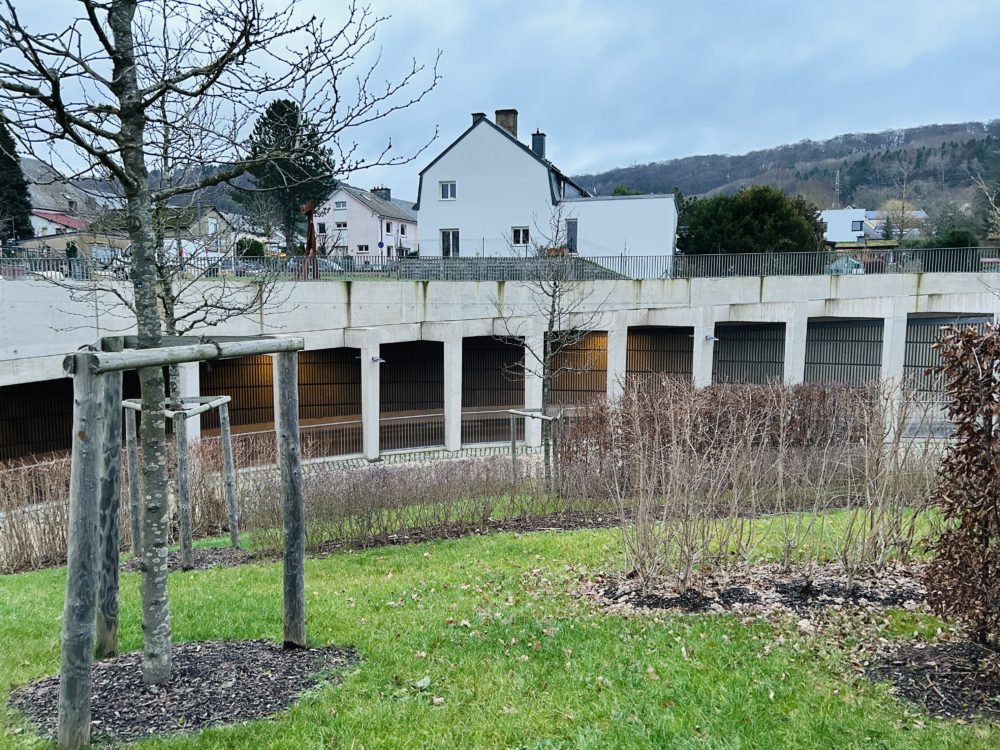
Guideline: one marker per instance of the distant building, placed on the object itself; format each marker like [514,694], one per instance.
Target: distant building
[488,194]
[860,225]
[369,225]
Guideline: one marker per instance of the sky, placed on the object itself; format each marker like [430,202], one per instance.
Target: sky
[635,81]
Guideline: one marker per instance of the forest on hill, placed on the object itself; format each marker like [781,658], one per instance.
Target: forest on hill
[936,162]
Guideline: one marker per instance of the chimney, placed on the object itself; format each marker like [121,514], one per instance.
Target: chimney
[507,119]
[538,143]
[477,116]
[382,192]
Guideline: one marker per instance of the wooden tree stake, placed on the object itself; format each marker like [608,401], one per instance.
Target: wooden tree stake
[229,469]
[185,524]
[81,567]
[110,484]
[134,488]
[286,413]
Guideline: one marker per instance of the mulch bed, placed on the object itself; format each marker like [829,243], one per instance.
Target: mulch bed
[763,588]
[204,559]
[213,683]
[957,680]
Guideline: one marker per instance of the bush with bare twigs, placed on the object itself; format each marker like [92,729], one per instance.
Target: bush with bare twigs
[690,468]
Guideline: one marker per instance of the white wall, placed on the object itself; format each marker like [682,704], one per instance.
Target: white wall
[44,323]
[624,225]
[838,223]
[498,186]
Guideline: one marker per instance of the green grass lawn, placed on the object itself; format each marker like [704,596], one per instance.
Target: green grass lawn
[518,662]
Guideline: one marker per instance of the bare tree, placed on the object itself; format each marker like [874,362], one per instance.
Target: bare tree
[101,89]
[991,197]
[560,297]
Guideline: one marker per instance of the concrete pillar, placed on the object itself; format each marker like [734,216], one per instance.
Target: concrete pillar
[533,344]
[894,343]
[191,388]
[370,396]
[796,331]
[453,393]
[703,349]
[617,357]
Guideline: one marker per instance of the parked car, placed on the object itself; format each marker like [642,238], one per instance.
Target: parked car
[241,267]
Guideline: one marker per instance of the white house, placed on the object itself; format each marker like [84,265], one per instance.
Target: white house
[488,194]
[368,225]
[859,224]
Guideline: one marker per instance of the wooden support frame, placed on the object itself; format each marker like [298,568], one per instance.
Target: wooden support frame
[93,504]
[179,415]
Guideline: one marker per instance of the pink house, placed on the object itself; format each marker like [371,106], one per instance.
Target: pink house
[371,226]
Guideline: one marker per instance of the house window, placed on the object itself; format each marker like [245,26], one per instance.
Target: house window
[341,225]
[448,191]
[857,226]
[362,248]
[388,227]
[449,243]
[571,235]
[402,229]
[213,226]
[520,235]
[340,204]
[321,228]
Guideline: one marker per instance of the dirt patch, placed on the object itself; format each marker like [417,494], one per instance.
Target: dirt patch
[205,558]
[213,683]
[762,588]
[959,680]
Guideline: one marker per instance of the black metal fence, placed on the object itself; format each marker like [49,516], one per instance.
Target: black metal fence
[562,267]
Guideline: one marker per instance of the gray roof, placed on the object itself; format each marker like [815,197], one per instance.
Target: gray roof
[50,191]
[391,209]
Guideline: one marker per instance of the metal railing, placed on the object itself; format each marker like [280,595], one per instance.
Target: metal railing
[855,261]
[490,427]
[411,431]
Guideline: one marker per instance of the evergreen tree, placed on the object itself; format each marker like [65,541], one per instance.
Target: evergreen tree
[760,219]
[288,182]
[15,205]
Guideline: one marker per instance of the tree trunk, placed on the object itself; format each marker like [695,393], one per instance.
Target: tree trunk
[156,665]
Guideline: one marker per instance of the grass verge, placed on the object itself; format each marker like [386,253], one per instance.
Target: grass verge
[517,661]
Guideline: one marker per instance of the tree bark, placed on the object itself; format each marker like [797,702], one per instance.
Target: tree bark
[107,584]
[156,664]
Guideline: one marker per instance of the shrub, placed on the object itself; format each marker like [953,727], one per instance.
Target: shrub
[963,578]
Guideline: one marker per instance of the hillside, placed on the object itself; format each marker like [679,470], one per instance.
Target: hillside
[937,159]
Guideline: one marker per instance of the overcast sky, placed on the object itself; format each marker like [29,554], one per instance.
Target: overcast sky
[634,81]
[617,83]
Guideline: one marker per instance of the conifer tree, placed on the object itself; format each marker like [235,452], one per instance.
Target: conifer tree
[15,204]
